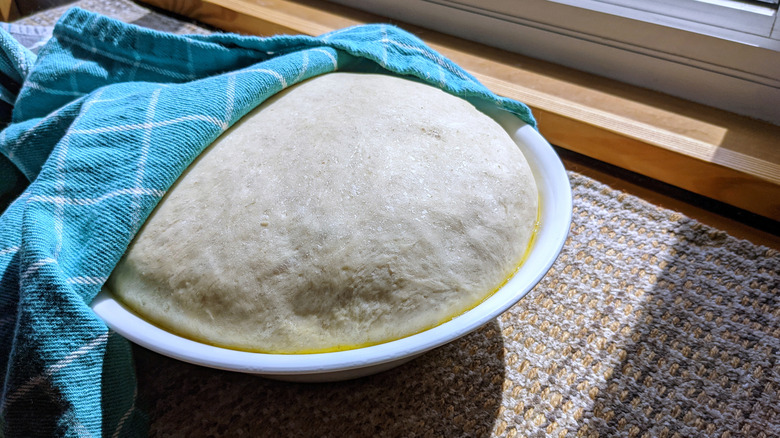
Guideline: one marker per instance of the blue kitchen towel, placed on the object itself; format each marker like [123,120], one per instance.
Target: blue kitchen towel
[101,124]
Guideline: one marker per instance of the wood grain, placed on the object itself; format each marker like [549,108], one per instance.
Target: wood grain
[8,10]
[732,159]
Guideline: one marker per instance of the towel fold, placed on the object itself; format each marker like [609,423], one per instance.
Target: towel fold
[100,124]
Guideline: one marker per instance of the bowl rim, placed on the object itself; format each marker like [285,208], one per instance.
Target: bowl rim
[555,220]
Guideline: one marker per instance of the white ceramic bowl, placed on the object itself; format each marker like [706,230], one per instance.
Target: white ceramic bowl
[555,204]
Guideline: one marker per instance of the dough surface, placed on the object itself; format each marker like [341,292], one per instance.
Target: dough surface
[349,210]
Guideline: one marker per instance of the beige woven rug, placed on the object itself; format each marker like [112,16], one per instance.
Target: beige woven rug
[648,325]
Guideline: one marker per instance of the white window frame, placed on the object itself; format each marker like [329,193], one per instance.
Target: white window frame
[744,17]
[729,60]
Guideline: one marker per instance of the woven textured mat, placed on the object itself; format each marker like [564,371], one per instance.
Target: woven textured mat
[649,325]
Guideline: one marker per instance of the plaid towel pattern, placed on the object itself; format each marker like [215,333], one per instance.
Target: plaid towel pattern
[101,124]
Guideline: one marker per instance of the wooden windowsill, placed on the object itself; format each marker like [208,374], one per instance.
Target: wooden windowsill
[714,153]
[8,10]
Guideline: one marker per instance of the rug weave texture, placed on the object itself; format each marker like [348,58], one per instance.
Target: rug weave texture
[648,325]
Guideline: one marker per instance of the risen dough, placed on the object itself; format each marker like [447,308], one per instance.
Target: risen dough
[349,210]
